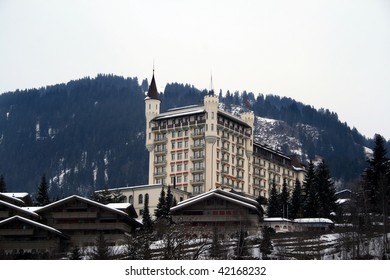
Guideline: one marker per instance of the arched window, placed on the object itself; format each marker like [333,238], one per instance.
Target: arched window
[140,199]
[131,199]
[124,200]
[147,197]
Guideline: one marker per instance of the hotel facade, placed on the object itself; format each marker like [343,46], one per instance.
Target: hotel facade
[201,148]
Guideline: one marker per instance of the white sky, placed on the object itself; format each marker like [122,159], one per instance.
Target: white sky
[330,54]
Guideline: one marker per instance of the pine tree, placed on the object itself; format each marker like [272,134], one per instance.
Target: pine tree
[168,201]
[376,176]
[296,210]
[146,219]
[43,195]
[273,202]
[76,254]
[326,196]
[101,251]
[266,244]
[3,187]
[310,197]
[161,204]
[284,199]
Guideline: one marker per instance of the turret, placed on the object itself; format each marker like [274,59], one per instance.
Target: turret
[152,110]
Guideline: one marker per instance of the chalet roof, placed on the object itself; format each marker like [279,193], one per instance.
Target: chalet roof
[151,186]
[313,220]
[224,195]
[86,200]
[276,219]
[152,92]
[36,224]
[19,209]
[127,207]
[12,198]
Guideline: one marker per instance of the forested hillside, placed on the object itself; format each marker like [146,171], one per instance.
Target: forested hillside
[89,133]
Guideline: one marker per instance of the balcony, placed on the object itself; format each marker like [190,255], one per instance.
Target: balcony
[197,182]
[160,151]
[197,170]
[160,163]
[160,174]
[74,215]
[197,135]
[197,158]
[160,140]
[198,147]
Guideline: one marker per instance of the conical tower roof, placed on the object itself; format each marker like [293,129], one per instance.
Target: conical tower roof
[152,92]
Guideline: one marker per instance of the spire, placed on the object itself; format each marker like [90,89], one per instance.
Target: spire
[211,92]
[152,92]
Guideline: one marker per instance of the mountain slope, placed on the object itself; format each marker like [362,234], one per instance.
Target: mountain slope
[89,133]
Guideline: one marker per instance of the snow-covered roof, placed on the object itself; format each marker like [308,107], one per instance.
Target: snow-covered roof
[131,188]
[236,199]
[19,195]
[182,111]
[86,200]
[32,223]
[313,220]
[119,205]
[17,208]
[12,198]
[32,208]
[276,219]
[342,200]
[225,193]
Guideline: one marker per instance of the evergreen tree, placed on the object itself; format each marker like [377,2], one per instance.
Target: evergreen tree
[3,187]
[284,198]
[160,209]
[326,196]
[273,202]
[296,210]
[310,197]
[266,244]
[102,250]
[168,201]
[43,195]
[146,219]
[76,254]
[376,176]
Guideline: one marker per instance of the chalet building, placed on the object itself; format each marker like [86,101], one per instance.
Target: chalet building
[227,211]
[202,148]
[82,220]
[135,195]
[19,234]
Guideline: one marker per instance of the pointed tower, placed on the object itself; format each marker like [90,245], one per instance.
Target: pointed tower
[152,110]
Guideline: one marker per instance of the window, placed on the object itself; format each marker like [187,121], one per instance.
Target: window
[179,167]
[172,168]
[140,199]
[131,199]
[179,156]
[179,145]
[173,145]
[173,157]
[147,197]
[179,133]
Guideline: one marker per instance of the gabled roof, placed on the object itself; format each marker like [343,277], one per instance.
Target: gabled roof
[10,197]
[152,92]
[126,207]
[224,195]
[86,200]
[19,209]
[33,223]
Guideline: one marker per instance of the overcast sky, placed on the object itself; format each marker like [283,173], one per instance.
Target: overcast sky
[329,54]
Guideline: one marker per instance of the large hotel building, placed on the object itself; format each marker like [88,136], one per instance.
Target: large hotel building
[200,148]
